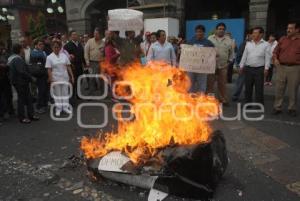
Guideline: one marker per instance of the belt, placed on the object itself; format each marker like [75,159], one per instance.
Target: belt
[94,61]
[255,66]
[290,64]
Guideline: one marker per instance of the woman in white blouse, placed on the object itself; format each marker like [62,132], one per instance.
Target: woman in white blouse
[59,72]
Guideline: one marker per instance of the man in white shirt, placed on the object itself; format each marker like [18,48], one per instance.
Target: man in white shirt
[27,50]
[162,50]
[255,64]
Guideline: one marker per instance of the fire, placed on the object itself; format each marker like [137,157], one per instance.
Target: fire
[165,114]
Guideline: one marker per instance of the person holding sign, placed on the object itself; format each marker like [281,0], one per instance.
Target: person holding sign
[224,49]
[162,50]
[199,80]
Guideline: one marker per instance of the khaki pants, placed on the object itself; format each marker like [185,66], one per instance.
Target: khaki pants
[221,77]
[287,76]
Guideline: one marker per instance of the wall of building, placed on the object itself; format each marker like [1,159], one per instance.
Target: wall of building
[79,20]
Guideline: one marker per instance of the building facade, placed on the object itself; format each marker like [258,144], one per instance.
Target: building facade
[23,10]
[84,15]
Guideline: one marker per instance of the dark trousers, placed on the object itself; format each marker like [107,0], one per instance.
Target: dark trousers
[2,101]
[77,71]
[254,77]
[6,102]
[24,99]
[43,92]
[270,74]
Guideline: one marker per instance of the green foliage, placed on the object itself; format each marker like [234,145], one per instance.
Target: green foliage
[37,27]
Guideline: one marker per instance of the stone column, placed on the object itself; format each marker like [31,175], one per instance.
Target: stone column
[258,13]
[15,27]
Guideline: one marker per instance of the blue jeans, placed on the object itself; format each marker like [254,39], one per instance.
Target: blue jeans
[239,85]
[198,82]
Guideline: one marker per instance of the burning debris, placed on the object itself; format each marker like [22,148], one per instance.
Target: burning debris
[168,146]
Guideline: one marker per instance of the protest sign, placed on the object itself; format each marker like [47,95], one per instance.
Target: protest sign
[125,20]
[198,59]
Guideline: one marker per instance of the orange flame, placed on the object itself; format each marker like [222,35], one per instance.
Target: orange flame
[165,114]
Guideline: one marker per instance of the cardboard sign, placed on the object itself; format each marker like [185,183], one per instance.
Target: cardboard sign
[198,59]
[113,162]
[125,20]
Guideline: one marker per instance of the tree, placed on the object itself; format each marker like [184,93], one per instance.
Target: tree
[41,25]
[32,26]
[37,27]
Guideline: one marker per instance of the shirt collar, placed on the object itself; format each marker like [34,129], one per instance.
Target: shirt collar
[261,41]
[219,38]
[75,42]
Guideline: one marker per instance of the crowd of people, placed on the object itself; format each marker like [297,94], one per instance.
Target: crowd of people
[32,66]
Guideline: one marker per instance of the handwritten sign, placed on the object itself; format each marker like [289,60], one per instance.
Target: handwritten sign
[125,20]
[198,59]
[113,162]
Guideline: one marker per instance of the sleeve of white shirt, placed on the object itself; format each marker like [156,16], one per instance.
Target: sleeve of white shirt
[244,57]
[48,63]
[268,57]
[150,54]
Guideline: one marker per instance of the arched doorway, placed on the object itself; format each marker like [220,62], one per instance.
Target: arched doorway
[207,9]
[97,13]
[281,13]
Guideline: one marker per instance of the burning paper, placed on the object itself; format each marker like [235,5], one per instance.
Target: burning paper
[165,114]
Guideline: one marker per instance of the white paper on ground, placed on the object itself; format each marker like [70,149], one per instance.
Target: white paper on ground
[113,162]
[156,195]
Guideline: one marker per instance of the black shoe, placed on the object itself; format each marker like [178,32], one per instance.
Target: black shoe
[276,112]
[25,121]
[34,118]
[292,113]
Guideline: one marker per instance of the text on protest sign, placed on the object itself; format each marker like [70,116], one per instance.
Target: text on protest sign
[198,59]
[125,20]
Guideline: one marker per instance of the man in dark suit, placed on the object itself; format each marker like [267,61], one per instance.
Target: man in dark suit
[76,52]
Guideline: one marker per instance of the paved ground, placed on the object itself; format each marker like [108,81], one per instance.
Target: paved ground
[39,162]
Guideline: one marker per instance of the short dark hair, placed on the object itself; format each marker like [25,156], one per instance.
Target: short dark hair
[153,33]
[274,35]
[37,41]
[297,24]
[221,24]
[56,42]
[260,29]
[16,48]
[158,33]
[71,32]
[97,29]
[200,27]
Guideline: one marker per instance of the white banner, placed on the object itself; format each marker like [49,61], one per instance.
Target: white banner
[125,20]
[198,59]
